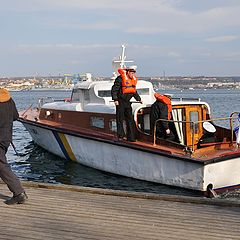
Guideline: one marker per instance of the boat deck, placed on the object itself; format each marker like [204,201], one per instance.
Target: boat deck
[70,212]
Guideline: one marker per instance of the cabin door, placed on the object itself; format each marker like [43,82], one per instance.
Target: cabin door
[193,131]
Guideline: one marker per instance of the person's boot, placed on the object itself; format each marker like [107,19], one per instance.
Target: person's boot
[19,199]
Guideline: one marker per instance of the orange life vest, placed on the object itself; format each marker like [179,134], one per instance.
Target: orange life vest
[165,100]
[128,85]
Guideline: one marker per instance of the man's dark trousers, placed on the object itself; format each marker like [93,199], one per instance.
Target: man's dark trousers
[124,112]
[7,174]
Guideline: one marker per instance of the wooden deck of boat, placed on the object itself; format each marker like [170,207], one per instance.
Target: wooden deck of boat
[69,212]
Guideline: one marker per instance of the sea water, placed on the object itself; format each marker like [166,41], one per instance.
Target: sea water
[38,165]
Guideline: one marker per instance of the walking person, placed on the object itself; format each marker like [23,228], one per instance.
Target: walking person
[123,89]
[8,114]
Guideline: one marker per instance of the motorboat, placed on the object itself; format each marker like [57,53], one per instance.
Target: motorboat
[83,129]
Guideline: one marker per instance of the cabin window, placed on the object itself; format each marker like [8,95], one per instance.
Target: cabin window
[75,95]
[47,114]
[113,125]
[97,122]
[194,117]
[104,93]
[86,95]
[107,93]
[143,91]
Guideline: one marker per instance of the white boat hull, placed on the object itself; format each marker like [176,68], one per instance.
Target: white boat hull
[143,165]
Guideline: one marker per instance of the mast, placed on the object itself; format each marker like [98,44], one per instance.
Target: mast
[120,62]
[123,57]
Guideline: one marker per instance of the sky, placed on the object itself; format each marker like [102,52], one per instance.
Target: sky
[171,37]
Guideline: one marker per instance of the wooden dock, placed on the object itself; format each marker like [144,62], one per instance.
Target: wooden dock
[68,212]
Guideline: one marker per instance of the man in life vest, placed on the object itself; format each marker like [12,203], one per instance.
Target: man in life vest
[123,89]
[161,109]
[8,114]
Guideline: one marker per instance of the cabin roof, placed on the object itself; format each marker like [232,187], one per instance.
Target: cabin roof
[105,105]
[107,84]
[89,84]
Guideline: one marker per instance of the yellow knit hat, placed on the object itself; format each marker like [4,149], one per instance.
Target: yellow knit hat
[4,95]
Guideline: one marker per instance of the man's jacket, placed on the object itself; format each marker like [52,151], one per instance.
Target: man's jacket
[8,114]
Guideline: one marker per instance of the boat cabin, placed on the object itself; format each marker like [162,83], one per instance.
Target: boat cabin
[184,114]
[91,107]
[97,92]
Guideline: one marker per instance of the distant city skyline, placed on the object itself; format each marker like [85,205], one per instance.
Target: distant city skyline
[163,37]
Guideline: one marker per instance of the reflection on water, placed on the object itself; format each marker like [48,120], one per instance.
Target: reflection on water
[40,165]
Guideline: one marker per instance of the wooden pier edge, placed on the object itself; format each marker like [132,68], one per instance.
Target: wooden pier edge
[130,194]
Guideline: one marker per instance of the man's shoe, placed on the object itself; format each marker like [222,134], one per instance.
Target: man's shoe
[120,139]
[19,199]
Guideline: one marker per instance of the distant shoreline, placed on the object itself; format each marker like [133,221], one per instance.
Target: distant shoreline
[40,90]
[156,89]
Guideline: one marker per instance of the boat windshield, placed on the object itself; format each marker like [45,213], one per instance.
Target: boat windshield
[143,91]
[107,93]
[104,93]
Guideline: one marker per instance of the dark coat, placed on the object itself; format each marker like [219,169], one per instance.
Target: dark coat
[159,110]
[8,114]
[124,110]
[117,94]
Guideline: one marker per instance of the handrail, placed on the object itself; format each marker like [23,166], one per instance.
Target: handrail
[186,99]
[193,124]
[231,124]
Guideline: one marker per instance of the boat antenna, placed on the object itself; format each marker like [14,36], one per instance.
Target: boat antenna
[120,62]
[123,57]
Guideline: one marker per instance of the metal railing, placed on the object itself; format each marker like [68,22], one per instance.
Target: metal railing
[193,128]
[186,99]
[231,124]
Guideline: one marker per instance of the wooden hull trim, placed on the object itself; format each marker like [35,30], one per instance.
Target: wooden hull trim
[225,189]
[222,158]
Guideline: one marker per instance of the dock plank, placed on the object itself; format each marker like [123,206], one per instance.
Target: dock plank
[54,212]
